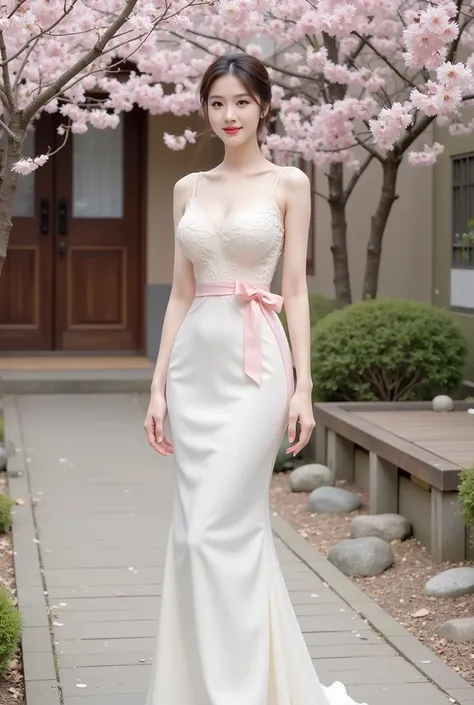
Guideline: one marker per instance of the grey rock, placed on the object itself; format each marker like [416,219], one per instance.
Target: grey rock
[451,583]
[442,403]
[362,557]
[332,500]
[3,458]
[458,630]
[309,477]
[389,527]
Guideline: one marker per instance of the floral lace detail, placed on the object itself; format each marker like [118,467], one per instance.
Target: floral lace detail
[246,246]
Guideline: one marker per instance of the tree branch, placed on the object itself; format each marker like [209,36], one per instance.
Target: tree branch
[405,79]
[7,86]
[5,127]
[31,40]
[79,65]
[356,176]
[369,148]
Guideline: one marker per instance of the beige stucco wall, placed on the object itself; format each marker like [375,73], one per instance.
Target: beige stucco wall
[406,256]
[165,167]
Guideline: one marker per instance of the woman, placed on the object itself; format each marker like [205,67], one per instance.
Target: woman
[228,634]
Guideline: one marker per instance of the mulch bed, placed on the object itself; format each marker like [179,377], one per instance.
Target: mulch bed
[400,589]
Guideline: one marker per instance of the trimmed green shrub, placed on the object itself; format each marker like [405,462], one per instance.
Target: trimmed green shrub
[466,494]
[6,505]
[319,307]
[386,350]
[10,629]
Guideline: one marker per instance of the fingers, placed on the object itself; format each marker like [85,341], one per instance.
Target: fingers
[292,428]
[156,437]
[306,429]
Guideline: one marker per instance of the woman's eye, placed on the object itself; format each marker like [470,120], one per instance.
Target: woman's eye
[216,104]
[243,102]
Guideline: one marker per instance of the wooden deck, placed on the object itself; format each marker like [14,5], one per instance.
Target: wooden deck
[449,435]
[408,446]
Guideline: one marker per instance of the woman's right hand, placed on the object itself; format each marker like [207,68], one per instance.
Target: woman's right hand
[153,425]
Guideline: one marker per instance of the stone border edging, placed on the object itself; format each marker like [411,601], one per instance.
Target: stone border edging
[41,684]
[412,650]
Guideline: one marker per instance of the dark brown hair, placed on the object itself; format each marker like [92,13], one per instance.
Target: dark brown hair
[252,74]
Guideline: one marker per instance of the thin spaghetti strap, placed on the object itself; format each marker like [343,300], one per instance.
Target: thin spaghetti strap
[195,182]
[278,179]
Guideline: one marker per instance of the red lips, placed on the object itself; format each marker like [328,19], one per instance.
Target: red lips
[231,130]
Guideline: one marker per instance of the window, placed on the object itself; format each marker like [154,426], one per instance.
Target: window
[462,171]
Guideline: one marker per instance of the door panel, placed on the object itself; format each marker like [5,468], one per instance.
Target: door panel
[26,283]
[85,272]
[97,255]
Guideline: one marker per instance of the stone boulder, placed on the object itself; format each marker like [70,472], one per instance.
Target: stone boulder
[332,500]
[389,527]
[362,557]
[458,630]
[309,477]
[451,583]
[442,403]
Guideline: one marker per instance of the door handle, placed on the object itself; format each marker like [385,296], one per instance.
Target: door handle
[44,216]
[62,249]
[62,225]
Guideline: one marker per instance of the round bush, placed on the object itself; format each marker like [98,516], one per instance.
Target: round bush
[10,629]
[319,307]
[386,350]
[466,494]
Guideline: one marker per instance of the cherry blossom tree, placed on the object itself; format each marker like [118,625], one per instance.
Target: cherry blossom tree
[67,56]
[356,82]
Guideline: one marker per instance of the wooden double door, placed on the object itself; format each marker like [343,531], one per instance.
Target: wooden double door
[73,279]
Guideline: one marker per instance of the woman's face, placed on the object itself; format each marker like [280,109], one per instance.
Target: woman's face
[233,113]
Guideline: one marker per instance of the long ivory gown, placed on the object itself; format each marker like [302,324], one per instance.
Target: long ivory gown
[228,634]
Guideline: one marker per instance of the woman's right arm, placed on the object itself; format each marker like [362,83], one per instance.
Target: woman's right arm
[181,297]
[182,292]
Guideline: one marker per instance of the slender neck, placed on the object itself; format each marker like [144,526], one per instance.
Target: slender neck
[246,157]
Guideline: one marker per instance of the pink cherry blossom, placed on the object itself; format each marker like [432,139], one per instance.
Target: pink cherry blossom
[325,99]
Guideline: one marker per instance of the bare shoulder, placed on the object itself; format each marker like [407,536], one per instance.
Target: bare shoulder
[184,187]
[295,180]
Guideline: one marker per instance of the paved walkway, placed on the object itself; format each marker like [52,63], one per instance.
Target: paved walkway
[90,541]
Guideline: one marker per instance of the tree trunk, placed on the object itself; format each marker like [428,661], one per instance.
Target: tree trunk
[379,220]
[337,205]
[8,185]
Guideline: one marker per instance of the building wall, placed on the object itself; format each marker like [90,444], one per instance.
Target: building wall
[165,167]
[442,236]
[406,266]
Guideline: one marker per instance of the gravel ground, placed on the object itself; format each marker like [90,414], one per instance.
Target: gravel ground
[400,589]
[11,685]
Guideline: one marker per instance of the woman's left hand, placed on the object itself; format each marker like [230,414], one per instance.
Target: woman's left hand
[301,413]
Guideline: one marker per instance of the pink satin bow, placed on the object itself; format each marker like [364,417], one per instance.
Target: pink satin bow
[262,301]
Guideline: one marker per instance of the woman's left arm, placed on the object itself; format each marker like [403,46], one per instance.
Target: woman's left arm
[295,294]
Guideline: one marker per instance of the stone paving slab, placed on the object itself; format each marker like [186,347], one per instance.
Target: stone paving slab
[90,542]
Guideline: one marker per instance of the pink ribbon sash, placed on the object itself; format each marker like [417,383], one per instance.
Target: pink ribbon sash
[259,301]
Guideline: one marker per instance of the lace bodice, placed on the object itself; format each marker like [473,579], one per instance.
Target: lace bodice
[246,246]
